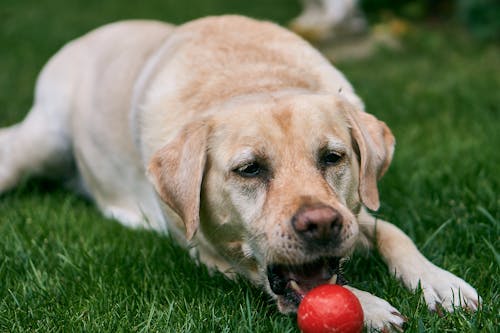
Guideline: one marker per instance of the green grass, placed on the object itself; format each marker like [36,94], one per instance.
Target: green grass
[63,267]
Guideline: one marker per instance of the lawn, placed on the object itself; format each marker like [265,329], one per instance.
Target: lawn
[63,267]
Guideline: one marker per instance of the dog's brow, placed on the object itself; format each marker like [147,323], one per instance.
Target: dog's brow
[247,154]
[335,145]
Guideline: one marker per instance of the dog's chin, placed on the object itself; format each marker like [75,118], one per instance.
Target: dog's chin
[290,283]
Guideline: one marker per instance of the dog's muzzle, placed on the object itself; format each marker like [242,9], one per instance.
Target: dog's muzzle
[291,282]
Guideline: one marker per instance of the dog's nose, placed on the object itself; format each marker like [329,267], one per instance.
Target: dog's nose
[317,223]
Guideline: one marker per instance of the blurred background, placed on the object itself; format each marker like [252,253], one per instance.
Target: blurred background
[479,19]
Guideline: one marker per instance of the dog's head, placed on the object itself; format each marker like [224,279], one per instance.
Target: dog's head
[278,184]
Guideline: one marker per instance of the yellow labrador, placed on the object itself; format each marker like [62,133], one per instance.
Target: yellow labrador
[237,138]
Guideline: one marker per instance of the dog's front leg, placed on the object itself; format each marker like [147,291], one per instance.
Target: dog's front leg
[378,313]
[439,287]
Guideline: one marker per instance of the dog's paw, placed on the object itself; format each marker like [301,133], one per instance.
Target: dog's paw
[443,289]
[378,313]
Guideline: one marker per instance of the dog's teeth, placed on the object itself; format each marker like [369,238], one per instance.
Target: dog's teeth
[333,279]
[294,285]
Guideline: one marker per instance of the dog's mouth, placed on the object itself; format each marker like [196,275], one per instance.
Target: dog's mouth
[291,282]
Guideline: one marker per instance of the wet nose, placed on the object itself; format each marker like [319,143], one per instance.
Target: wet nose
[317,223]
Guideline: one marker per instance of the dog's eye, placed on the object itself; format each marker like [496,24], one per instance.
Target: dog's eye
[331,158]
[250,170]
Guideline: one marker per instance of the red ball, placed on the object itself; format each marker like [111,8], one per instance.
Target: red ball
[330,308]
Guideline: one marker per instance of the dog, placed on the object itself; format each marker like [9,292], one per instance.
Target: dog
[237,138]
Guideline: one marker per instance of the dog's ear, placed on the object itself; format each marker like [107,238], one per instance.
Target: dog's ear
[176,171]
[375,147]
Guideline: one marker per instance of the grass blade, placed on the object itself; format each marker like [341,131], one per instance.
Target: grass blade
[435,233]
